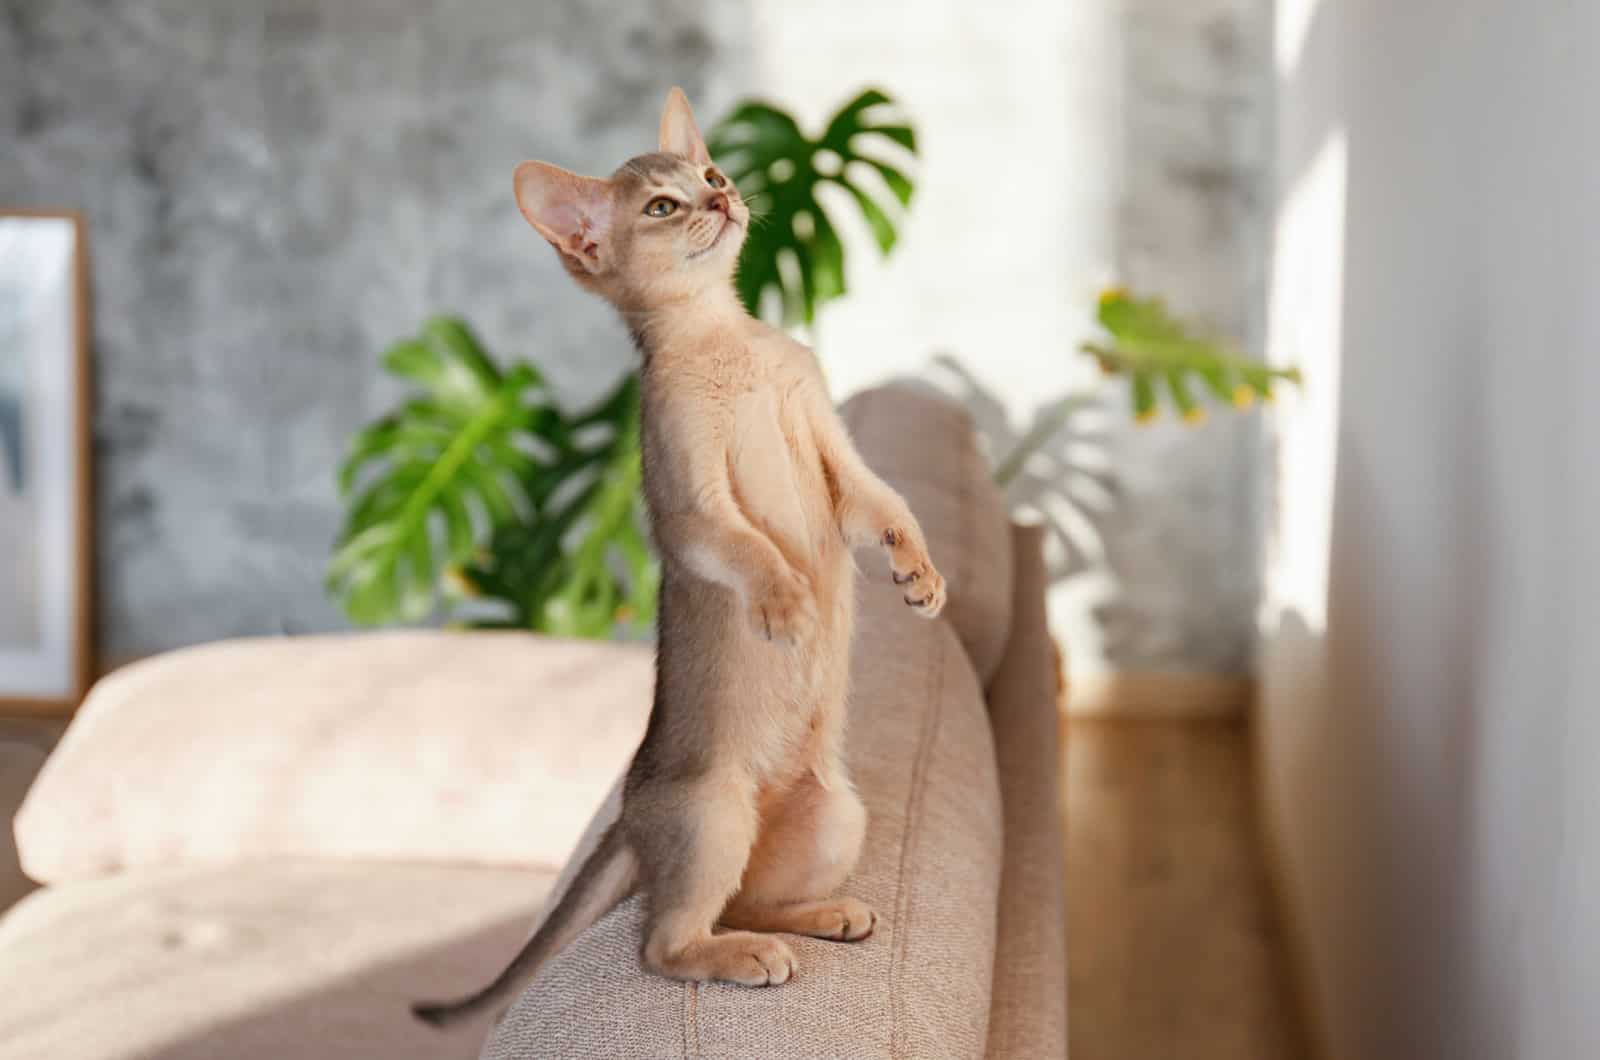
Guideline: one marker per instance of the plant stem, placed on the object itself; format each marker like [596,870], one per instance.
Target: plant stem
[1051,420]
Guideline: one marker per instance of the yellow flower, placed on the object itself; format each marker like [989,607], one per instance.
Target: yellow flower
[1195,415]
[1146,416]
[1113,294]
[1243,396]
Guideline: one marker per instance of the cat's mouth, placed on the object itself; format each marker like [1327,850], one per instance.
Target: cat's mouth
[727,223]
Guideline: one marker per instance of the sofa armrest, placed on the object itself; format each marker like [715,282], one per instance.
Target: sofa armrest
[488,748]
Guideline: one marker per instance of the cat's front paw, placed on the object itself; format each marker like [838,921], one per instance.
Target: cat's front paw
[922,586]
[842,920]
[785,611]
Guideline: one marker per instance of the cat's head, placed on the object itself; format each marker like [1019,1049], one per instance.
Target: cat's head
[664,227]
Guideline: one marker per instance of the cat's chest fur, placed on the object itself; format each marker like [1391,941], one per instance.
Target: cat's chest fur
[775,468]
[748,396]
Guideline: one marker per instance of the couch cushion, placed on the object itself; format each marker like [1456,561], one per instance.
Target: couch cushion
[267,962]
[471,747]
[924,445]
[921,756]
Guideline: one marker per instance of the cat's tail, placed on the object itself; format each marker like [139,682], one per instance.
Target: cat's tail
[606,878]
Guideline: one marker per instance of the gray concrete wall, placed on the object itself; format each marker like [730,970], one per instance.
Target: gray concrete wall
[275,191]
[1183,547]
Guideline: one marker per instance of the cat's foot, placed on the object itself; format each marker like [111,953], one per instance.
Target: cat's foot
[747,958]
[835,919]
[913,571]
[750,959]
[759,960]
[786,611]
[842,920]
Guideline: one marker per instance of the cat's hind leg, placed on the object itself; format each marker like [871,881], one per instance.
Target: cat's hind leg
[695,848]
[807,847]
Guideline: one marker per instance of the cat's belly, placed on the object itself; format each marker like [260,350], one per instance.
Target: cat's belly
[777,478]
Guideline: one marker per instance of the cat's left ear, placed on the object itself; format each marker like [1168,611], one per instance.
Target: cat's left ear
[572,212]
[679,134]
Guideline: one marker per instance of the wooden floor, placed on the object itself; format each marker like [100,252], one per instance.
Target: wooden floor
[1173,945]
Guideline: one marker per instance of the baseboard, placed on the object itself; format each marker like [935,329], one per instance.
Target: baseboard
[1160,696]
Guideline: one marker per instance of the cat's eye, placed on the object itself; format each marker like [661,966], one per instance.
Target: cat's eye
[661,207]
[714,179]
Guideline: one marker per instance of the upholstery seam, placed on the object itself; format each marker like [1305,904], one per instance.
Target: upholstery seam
[914,801]
[694,992]
[691,1022]
[915,797]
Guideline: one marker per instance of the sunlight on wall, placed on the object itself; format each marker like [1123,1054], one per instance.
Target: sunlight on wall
[1299,745]
[1293,23]
[1306,306]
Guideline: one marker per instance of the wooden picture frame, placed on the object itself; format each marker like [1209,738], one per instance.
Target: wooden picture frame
[46,489]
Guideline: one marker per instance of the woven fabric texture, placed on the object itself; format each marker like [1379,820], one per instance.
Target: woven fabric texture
[919,988]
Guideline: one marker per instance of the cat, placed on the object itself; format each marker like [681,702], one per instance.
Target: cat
[737,810]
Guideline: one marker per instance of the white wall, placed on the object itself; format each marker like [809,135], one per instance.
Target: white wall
[1065,145]
[1430,724]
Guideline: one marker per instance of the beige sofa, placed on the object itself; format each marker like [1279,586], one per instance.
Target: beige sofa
[266,849]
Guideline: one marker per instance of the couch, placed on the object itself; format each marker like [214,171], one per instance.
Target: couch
[267,848]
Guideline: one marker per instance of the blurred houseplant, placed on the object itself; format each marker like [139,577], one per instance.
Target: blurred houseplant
[480,490]
[1159,355]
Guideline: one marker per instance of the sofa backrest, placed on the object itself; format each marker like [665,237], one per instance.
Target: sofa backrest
[924,445]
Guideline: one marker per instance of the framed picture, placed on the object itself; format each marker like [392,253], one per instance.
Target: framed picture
[45,534]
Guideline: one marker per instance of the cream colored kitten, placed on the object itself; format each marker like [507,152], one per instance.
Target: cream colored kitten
[737,809]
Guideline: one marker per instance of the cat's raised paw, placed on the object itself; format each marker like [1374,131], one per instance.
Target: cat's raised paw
[921,585]
[925,594]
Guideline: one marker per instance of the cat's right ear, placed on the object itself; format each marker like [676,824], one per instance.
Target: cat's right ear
[572,212]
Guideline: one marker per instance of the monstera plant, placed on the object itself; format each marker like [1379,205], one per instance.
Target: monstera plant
[480,497]
[795,251]
[480,486]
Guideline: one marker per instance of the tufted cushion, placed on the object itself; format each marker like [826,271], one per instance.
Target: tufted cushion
[924,445]
[921,755]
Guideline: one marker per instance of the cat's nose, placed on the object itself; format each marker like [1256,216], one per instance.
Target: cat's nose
[718,202]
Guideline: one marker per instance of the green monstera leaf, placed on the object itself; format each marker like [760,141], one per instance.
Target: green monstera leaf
[582,567]
[1159,352]
[793,247]
[481,486]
